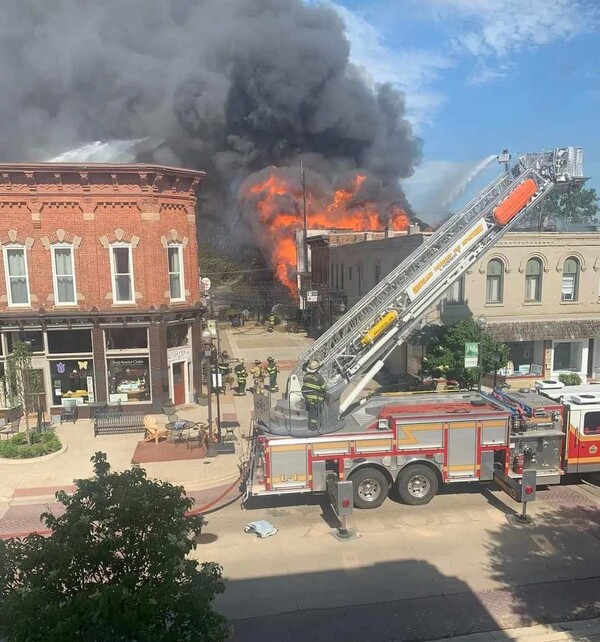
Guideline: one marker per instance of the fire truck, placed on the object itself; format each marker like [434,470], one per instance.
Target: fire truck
[416,442]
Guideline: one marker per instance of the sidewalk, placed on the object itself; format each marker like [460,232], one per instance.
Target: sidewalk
[28,487]
[584,630]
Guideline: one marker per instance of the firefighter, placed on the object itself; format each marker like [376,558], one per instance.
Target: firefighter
[313,391]
[258,377]
[271,322]
[241,375]
[224,370]
[272,371]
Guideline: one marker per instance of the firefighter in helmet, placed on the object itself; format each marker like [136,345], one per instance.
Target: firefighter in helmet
[272,371]
[258,377]
[271,322]
[241,374]
[224,370]
[313,391]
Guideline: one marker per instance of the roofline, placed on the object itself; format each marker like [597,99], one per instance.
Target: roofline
[101,167]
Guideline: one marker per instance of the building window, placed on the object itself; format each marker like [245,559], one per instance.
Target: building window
[570,279]
[350,273]
[126,338]
[63,272]
[331,275]
[122,273]
[33,338]
[494,281]
[342,276]
[177,335]
[17,279]
[377,270]
[69,341]
[533,280]
[176,287]
[72,379]
[568,356]
[128,380]
[455,293]
[337,276]
[591,423]
[360,279]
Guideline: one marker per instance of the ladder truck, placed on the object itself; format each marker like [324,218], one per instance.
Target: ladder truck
[414,442]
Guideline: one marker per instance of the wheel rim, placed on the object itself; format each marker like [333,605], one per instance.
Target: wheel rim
[419,486]
[369,490]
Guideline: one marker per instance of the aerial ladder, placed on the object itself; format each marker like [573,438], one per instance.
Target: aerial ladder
[356,347]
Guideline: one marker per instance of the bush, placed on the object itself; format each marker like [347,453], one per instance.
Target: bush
[570,379]
[42,444]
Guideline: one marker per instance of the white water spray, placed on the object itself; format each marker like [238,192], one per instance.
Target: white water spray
[111,151]
[464,182]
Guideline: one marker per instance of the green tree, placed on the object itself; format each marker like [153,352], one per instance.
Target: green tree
[576,205]
[115,568]
[445,355]
[24,382]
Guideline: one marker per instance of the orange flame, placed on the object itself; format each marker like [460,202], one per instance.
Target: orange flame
[277,200]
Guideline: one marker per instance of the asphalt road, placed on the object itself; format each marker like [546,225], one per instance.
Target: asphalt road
[453,567]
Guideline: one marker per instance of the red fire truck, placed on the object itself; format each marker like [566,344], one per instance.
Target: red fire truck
[418,441]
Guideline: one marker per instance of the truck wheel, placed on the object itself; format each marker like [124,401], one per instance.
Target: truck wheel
[370,488]
[417,485]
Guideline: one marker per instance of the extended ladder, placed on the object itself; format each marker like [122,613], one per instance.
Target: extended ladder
[419,281]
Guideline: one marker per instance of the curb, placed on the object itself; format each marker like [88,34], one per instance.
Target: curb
[33,460]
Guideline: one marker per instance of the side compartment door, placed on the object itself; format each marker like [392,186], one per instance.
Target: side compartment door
[462,450]
[588,441]
[289,466]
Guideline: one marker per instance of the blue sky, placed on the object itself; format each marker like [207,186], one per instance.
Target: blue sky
[482,75]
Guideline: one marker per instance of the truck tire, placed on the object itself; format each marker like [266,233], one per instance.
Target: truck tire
[370,487]
[417,484]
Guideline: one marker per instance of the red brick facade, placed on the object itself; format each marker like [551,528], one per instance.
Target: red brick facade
[91,207]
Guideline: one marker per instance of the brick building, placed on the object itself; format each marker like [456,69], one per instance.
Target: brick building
[100,276]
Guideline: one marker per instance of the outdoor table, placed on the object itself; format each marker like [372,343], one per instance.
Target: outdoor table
[178,427]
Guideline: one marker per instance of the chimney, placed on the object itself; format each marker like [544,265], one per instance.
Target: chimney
[389,231]
[414,228]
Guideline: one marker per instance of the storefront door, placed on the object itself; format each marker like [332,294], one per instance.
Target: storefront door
[179,383]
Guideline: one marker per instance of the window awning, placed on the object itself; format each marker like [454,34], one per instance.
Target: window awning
[544,330]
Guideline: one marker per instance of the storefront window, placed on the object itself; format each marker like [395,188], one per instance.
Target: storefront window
[69,341]
[129,379]
[177,335]
[35,339]
[524,358]
[72,379]
[568,356]
[126,338]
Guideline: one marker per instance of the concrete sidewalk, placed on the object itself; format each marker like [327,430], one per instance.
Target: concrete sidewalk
[584,630]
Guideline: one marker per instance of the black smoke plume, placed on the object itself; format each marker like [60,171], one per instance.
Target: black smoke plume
[226,86]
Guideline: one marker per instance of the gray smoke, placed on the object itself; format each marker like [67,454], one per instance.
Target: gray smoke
[226,86]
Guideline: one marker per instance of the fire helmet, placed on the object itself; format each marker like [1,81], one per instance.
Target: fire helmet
[270,359]
[313,366]
[257,362]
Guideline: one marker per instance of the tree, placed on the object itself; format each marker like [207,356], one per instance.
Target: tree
[576,205]
[446,354]
[24,382]
[115,568]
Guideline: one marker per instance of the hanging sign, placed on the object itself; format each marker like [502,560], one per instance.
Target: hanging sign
[471,355]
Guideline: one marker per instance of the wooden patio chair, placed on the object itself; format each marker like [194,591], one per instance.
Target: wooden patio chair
[153,430]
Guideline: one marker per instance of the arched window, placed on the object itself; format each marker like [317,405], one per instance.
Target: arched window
[533,280]
[570,279]
[494,282]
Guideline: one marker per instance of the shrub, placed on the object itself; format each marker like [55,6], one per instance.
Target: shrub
[570,379]
[41,444]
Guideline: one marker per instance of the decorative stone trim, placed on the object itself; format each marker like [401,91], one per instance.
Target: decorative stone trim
[12,236]
[119,236]
[597,264]
[173,236]
[498,256]
[61,236]
[566,255]
[535,255]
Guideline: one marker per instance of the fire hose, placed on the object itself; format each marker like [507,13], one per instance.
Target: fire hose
[216,500]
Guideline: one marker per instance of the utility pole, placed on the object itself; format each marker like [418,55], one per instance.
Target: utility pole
[304,219]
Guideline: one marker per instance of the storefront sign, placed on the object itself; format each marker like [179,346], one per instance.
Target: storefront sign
[473,234]
[90,389]
[471,355]
[183,353]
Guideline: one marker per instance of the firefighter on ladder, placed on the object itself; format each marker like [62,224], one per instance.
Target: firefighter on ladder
[241,374]
[272,371]
[313,391]
[271,322]
[258,377]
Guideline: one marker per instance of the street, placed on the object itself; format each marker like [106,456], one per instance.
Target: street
[449,568]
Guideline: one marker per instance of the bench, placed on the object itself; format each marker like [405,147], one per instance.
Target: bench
[115,424]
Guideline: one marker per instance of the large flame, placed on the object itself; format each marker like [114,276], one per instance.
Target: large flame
[276,198]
